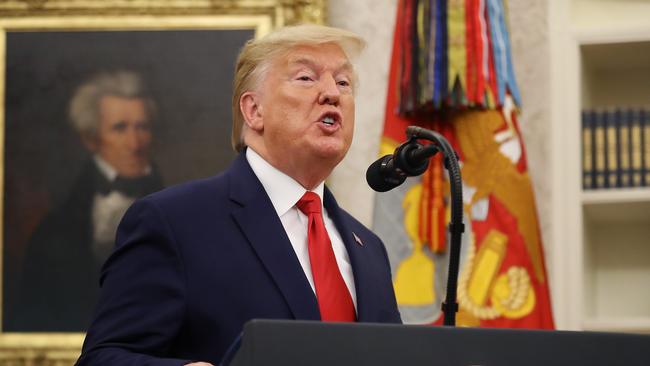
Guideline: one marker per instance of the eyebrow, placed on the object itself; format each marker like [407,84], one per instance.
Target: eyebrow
[309,62]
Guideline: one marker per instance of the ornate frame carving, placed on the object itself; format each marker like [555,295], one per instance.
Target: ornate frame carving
[43,15]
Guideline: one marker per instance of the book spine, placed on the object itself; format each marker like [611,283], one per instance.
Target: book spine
[587,148]
[635,146]
[624,148]
[611,166]
[600,150]
[645,138]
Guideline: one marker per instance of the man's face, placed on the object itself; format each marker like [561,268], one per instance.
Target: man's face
[307,105]
[124,135]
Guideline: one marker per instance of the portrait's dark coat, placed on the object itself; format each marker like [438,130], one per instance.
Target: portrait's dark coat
[194,262]
[60,280]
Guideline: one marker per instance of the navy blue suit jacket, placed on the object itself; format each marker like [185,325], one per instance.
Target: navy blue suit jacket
[194,262]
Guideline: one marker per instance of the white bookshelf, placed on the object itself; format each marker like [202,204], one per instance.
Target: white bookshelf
[600,58]
[622,324]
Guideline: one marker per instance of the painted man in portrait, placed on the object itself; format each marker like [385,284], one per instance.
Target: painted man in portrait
[112,113]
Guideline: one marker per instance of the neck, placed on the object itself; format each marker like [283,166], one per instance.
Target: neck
[308,172]
[309,180]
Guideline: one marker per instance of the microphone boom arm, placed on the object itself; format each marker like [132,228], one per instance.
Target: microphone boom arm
[456,226]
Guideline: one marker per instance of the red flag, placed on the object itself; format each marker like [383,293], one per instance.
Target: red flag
[503,280]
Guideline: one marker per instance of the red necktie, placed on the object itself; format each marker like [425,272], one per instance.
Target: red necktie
[334,300]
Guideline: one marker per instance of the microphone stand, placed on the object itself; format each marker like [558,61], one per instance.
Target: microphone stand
[456,226]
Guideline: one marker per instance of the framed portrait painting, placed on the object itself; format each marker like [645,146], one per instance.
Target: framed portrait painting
[104,102]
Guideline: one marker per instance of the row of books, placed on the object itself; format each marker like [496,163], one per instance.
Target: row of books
[615,148]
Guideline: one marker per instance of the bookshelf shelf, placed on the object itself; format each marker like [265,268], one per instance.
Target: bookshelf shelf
[627,325]
[608,212]
[615,195]
[601,55]
[615,222]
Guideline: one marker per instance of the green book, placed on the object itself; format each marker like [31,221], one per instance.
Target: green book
[635,147]
[611,148]
[587,154]
[600,150]
[645,150]
[624,148]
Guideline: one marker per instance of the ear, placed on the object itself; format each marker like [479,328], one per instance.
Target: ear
[251,109]
[90,142]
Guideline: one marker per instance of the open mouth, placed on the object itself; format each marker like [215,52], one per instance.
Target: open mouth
[330,119]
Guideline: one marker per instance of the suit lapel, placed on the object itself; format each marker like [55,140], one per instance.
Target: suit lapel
[262,227]
[361,267]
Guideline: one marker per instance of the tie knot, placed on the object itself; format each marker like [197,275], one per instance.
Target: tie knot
[309,203]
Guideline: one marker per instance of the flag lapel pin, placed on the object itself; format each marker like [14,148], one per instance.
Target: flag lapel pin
[357,239]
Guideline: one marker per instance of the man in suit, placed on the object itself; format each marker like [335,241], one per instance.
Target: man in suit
[193,263]
[112,112]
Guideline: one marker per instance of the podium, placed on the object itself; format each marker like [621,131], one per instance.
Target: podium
[281,342]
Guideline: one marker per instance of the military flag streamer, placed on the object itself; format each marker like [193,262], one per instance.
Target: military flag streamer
[451,71]
[454,53]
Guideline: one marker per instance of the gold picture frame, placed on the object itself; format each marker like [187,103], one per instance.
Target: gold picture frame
[119,15]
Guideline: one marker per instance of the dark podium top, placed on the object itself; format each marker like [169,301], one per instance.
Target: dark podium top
[277,342]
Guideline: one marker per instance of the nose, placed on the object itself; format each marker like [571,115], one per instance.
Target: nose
[134,139]
[330,92]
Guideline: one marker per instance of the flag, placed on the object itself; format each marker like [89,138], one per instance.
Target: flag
[451,71]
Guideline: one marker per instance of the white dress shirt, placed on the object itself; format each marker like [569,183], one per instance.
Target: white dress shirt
[284,193]
[107,211]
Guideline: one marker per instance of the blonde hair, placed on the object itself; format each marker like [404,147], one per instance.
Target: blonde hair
[84,105]
[257,54]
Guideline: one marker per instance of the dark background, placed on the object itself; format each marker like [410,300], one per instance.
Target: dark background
[189,74]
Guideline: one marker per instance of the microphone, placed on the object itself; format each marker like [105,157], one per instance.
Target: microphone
[409,159]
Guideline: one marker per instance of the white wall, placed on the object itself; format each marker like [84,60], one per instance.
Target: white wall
[529,37]
[374,21]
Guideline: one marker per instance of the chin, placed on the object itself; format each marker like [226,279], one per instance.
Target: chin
[132,172]
[334,154]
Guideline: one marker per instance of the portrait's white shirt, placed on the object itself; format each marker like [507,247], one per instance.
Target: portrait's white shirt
[284,193]
[107,212]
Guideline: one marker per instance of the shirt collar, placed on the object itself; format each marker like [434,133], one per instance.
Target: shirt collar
[107,170]
[283,190]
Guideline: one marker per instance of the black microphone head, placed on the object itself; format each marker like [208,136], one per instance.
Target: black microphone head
[379,178]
